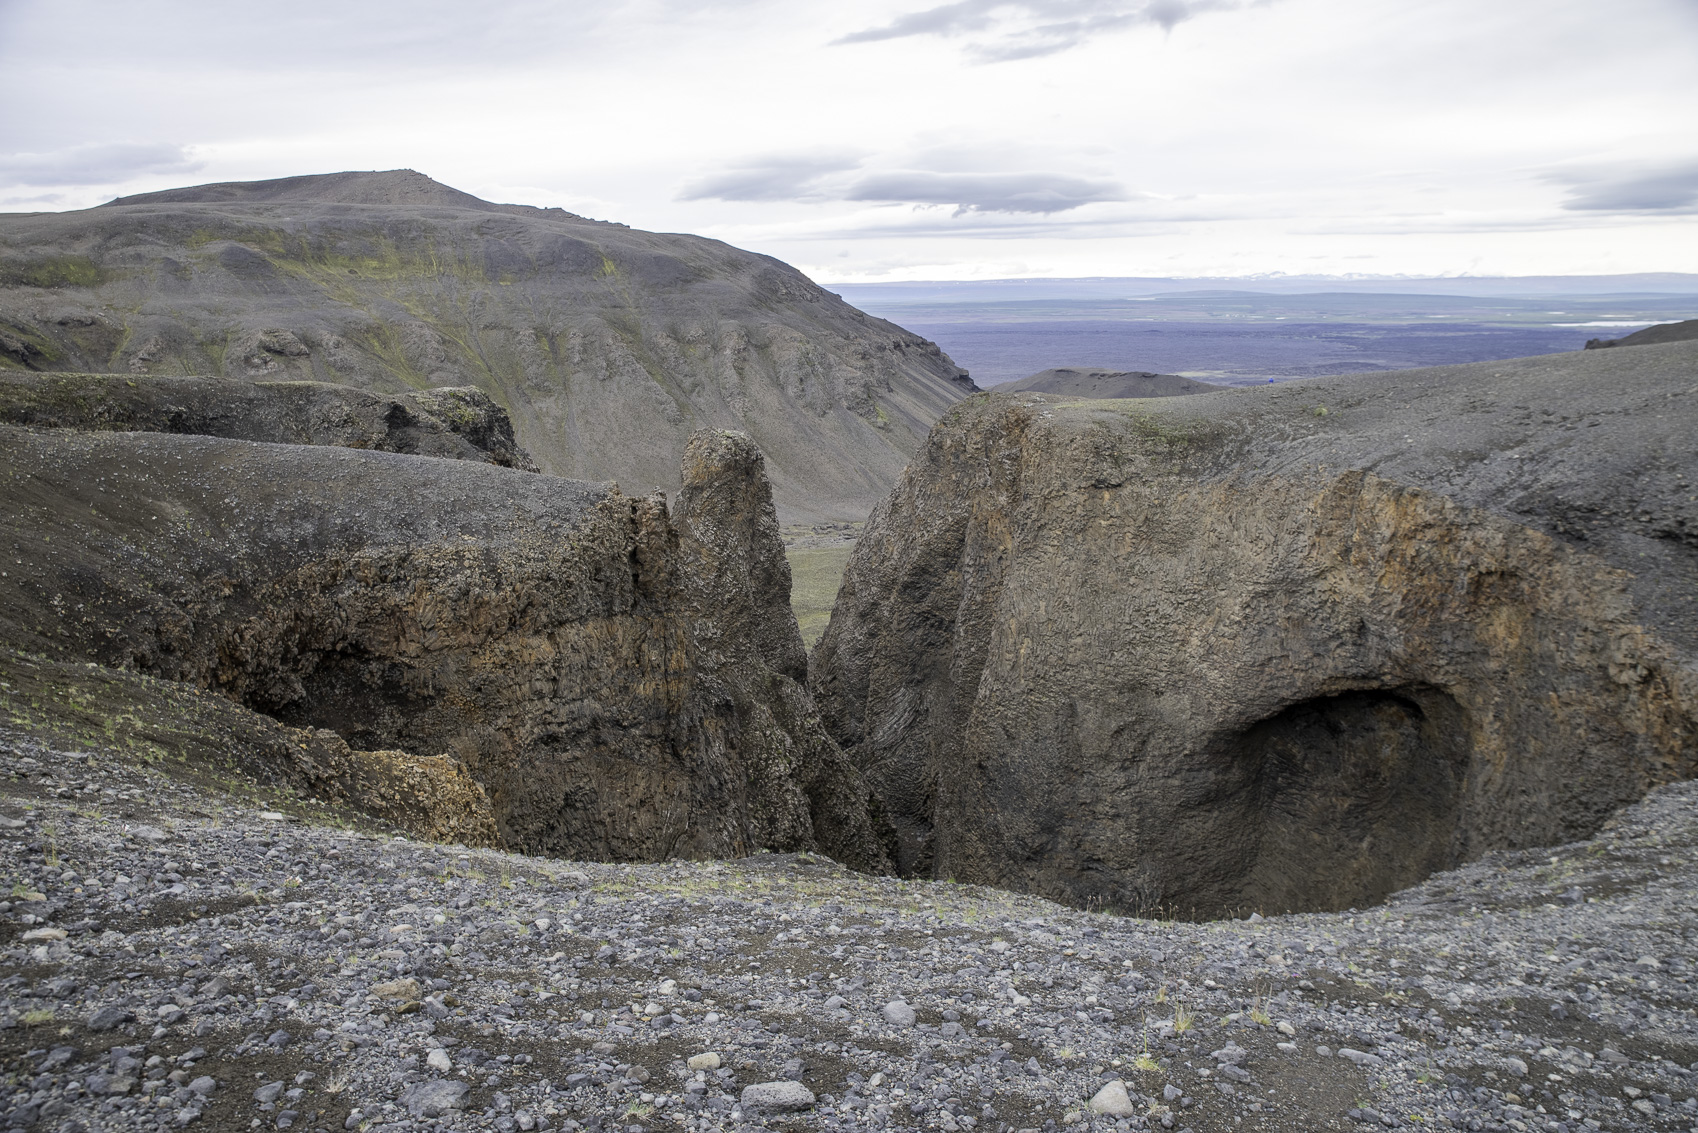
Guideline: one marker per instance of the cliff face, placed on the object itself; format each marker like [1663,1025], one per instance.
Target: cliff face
[609,347]
[548,637]
[1287,648]
[458,424]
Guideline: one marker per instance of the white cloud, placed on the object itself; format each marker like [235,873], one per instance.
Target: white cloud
[1670,188]
[1110,137]
[986,192]
[1005,30]
[769,179]
[105,163]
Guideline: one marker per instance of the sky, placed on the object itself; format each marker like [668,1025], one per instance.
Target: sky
[872,140]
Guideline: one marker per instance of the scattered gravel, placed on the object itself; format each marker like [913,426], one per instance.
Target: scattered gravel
[174,957]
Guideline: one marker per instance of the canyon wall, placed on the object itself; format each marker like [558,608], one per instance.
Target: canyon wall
[552,639]
[1280,648]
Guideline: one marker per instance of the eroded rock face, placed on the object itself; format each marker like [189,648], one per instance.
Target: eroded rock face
[540,633]
[1277,649]
[459,424]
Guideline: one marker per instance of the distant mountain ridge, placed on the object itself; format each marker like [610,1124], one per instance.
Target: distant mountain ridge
[607,345]
[394,187]
[1093,381]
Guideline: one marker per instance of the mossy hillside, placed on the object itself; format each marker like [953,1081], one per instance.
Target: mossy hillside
[815,574]
[52,272]
[607,346]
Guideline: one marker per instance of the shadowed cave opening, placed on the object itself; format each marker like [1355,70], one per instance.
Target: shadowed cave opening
[1337,802]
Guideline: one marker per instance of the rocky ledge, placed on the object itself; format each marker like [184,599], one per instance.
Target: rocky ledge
[174,955]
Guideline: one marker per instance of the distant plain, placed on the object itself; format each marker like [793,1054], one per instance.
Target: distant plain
[1242,337]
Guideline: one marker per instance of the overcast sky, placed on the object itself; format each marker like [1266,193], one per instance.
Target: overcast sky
[877,139]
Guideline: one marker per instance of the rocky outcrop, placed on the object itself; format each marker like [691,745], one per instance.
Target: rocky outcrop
[1278,648]
[1685,331]
[546,636]
[459,424]
[609,347]
[1093,381]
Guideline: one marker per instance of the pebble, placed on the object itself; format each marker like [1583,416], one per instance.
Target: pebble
[899,1014]
[1113,1101]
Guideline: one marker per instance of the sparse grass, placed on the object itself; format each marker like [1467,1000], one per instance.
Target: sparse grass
[38,1017]
[1182,1019]
[815,574]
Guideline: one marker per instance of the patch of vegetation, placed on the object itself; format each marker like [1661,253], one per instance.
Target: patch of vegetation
[53,271]
[815,574]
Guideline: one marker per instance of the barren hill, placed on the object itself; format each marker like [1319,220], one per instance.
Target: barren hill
[608,346]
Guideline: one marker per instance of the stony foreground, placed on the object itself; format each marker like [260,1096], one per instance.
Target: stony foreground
[177,957]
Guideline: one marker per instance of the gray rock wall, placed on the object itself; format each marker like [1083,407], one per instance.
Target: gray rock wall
[541,632]
[1274,649]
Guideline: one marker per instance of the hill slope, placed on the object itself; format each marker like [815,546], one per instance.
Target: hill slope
[607,345]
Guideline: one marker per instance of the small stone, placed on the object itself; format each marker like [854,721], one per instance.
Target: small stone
[56,1057]
[149,834]
[899,1014]
[433,1099]
[108,1017]
[1360,1058]
[1113,1101]
[1171,1093]
[268,1093]
[439,1061]
[204,1085]
[834,1002]
[708,1060]
[403,990]
[1613,1057]
[778,1097]
[45,934]
[1285,1028]
[1324,1051]
[279,1039]
[1516,1067]
[273,816]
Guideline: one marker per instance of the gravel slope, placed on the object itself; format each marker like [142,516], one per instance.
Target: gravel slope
[171,956]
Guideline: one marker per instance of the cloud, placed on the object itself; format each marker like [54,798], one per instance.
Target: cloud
[770,179]
[1027,29]
[987,192]
[1668,189]
[96,164]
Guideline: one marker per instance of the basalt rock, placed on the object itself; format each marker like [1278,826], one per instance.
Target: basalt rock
[460,424]
[1283,648]
[462,627]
